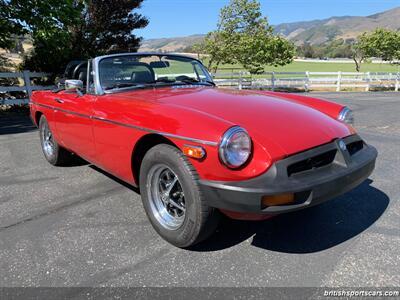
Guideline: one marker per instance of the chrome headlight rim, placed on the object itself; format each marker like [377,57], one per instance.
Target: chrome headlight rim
[226,138]
[346,115]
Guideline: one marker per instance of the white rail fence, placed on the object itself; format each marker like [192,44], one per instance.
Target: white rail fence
[241,80]
[22,84]
[309,80]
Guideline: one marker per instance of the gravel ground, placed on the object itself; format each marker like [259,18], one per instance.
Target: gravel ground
[79,226]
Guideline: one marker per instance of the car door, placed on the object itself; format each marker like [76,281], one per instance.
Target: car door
[73,120]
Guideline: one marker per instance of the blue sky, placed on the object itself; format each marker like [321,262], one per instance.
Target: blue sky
[172,18]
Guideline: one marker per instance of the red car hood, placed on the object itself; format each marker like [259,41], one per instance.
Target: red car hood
[291,126]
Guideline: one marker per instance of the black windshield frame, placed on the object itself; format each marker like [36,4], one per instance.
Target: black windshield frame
[204,79]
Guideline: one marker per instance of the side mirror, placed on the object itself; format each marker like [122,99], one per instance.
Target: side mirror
[73,85]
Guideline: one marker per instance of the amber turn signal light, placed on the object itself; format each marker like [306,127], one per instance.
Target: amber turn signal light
[280,199]
[194,151]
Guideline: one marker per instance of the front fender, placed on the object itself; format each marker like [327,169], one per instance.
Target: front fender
[190,122]
[332,109]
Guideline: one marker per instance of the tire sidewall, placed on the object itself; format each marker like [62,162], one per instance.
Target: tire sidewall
[50,158]
[169,156]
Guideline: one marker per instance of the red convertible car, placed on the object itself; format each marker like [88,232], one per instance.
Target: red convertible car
[158,122]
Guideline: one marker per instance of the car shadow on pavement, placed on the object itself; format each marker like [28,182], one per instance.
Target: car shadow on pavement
[306,231]
[116,179]
[15,124]
[76,161]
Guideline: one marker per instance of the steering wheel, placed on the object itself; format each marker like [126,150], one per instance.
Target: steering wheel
[78,68]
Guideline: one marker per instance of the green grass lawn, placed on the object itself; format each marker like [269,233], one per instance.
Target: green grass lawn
[320,67]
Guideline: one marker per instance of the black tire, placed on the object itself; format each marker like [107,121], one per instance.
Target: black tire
[59,156]
[200,220]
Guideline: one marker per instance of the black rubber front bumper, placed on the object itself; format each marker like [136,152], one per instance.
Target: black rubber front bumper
[313,176]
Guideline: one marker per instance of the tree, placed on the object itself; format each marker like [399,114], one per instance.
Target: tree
[8,26]
[257,50]
[306,50]
[47,23]
[335,49]
[244,36]
[51,52]
[18,46]
[382,43]
[107,27]
[64,30]
[360,52]
[216,45]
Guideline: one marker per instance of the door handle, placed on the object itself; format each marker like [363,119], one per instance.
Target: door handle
[59,100]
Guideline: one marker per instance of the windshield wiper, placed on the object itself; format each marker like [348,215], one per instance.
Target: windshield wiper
[192,80]
[124,85]
[165,80]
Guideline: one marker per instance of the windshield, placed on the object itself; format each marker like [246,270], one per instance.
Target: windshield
[136,71]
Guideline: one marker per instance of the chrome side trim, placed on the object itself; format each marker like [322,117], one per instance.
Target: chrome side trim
[63,110]
[159,132]
[171,135]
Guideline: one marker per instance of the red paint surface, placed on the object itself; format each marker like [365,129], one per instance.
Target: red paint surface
[279,124]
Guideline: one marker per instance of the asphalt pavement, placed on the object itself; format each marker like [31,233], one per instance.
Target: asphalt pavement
[79,226]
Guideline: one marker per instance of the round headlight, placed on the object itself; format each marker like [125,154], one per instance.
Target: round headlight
[235,147]
[346,115]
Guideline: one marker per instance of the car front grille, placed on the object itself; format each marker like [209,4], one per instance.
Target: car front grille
[323,156]
[313,162]
[354,147]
